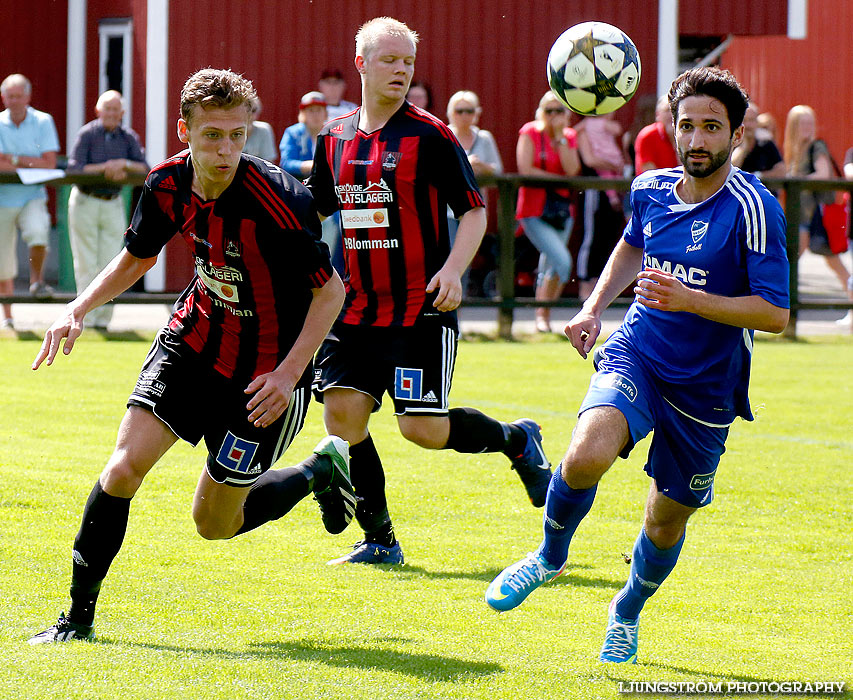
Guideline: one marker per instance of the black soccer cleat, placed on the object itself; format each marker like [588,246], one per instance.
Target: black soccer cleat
[64,631]
[532,466]
[337,500]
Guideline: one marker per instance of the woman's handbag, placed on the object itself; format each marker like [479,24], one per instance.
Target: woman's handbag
[828,229]
[557,210]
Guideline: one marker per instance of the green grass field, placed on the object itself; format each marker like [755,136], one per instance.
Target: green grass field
[762,592]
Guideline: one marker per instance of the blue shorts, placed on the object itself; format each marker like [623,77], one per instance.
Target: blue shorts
[684,453]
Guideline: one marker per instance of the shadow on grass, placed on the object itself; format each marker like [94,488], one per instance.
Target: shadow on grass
[427,666]
[568,579]
[26,335]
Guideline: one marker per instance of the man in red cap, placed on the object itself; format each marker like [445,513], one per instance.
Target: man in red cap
[297,143]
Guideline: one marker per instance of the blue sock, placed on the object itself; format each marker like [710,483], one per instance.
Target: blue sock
[565,507]
[649,568]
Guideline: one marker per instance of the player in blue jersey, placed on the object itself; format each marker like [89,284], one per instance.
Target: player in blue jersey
[706,246]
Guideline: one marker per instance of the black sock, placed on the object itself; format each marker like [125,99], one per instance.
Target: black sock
[516,443]
[96,545]
[274,494]
[383,535]
[368,480]
[472,432]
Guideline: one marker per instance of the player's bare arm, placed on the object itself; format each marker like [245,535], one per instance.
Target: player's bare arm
[118,276]
[448,280]
[662,290]
[621,269]
[272,391]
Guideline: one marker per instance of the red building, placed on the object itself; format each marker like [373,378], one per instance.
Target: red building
[74,49]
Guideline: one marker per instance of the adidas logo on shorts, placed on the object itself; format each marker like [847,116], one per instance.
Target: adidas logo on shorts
[429,397]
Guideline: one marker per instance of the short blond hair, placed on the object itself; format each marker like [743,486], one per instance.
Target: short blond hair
[545,99]
[214,87]
[463,96]
[369,33]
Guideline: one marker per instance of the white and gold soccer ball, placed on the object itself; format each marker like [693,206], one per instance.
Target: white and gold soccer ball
[593,68]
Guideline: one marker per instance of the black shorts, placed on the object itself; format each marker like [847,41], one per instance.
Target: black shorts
[195,402]
[413,364]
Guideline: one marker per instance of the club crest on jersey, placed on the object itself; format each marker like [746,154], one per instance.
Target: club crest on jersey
[408,383]
[698,230]
[390,160]
[236,453]
[233,248]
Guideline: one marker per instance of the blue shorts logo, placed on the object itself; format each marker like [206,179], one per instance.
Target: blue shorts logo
[611,380]
[408,383]
[700,482]
[236,453]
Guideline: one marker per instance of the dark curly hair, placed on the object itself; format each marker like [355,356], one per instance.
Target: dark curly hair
[712,82]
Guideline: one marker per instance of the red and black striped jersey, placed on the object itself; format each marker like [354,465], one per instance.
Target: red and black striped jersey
[257,254]
[393,187]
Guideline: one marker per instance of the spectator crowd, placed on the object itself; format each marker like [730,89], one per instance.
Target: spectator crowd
[567,235]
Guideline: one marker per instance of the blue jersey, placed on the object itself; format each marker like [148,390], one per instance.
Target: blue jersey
[732,244]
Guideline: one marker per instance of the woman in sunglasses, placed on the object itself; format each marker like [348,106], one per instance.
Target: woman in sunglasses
[463,114]
[548,146]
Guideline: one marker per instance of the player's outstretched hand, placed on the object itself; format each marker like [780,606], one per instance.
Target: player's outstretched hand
[68,326]
[662,290]
[272,392]
[583,331]
[449,288]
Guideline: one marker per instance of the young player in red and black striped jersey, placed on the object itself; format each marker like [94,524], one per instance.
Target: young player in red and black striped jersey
[392,169]
[234,363]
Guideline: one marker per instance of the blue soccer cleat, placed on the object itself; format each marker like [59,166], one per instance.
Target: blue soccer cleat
[620,640]
[371,553]
[532,465]
[518,581]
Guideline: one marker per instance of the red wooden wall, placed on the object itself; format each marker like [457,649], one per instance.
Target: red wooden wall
[818,71]
[35,43]
[495,48]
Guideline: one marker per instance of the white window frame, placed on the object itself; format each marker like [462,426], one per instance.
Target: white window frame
[108,29]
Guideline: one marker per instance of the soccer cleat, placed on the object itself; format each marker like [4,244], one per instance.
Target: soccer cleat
[532,465]
[518,581]
[620,640]
[64,631]
[337,500]
[371,553]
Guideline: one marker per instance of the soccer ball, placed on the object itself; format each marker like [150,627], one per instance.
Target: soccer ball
[593,68]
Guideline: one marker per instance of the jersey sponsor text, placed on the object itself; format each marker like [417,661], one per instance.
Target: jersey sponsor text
[692,275]
[364,218]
